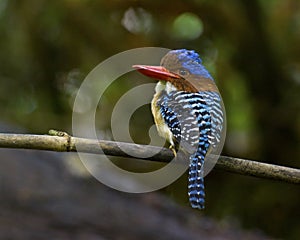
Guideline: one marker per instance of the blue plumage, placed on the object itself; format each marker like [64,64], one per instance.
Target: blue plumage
[188,117]
[191,60]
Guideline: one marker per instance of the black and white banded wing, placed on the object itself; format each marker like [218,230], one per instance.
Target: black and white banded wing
[180,119]
[188,117]
[218,128]
[214,101]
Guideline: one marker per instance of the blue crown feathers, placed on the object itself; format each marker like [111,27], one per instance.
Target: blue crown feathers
[192,62]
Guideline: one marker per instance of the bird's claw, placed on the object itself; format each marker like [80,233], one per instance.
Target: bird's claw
[172,148]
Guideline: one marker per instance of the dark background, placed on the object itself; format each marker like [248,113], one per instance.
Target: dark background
[252,49]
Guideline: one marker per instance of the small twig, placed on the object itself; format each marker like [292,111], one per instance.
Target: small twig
[63,142]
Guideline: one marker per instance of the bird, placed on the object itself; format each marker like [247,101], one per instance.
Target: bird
[187,107]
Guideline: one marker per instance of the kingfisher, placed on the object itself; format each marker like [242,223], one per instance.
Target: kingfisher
[187,107]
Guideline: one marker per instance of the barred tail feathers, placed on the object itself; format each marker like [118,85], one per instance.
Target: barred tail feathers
[196,182]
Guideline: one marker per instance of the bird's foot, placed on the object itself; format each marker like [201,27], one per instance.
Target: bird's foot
[172,148]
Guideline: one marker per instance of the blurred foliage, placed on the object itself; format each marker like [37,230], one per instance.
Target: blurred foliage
[251,48]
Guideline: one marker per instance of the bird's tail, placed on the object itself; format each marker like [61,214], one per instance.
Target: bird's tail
[196,182]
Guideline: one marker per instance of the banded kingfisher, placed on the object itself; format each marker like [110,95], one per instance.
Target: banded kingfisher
[187,106]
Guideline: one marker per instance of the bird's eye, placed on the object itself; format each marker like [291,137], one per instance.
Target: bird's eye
[183,72]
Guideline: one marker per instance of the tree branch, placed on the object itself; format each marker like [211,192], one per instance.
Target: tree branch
[62,142]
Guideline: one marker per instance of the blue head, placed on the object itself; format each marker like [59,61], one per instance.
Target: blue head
[183,69]
[185,60]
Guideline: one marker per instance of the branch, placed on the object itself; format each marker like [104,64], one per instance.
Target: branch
[62,142]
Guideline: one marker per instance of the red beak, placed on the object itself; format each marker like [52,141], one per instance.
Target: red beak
[157,72]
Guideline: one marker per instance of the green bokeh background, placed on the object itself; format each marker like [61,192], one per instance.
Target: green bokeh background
[252,49]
